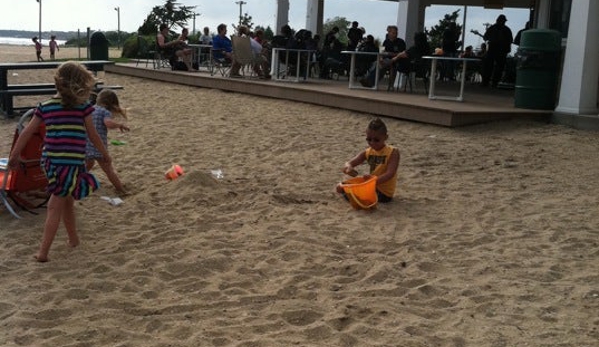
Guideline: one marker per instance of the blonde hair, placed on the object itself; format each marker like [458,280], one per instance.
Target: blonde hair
[74,83]
[108,99]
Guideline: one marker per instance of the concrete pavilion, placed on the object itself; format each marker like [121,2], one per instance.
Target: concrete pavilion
[576,19]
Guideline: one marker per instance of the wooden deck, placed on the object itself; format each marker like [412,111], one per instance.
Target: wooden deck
[480,105]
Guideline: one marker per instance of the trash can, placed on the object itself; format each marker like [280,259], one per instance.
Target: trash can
[538,61]
[98,47]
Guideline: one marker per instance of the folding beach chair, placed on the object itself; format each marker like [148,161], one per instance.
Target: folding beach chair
[218,63]
[242,54]
[25,185]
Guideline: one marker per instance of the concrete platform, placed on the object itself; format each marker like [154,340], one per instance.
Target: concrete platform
[480,104]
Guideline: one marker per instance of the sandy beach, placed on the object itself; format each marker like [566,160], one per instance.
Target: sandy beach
[492,239]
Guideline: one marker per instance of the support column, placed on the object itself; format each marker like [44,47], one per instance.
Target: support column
[315,16]
[409,19]
[282,15]
[580,75]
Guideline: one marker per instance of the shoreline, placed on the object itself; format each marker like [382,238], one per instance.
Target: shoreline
[17,53]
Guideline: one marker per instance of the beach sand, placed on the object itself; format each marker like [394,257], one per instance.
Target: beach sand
[492,239]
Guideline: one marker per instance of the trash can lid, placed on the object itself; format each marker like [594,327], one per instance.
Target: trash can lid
[97,37]
[541,40]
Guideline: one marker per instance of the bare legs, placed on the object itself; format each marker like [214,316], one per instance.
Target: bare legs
[110,173]
[58,208]
[185,56]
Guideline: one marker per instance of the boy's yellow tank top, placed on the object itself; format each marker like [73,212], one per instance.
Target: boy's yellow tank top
[378,161]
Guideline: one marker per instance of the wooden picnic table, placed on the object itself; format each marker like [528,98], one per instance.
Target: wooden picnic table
[7,92]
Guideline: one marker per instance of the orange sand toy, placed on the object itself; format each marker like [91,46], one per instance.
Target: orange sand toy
[174,172]
[361,192]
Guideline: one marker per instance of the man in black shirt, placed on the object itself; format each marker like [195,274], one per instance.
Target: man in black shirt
[499,38]
[393,45]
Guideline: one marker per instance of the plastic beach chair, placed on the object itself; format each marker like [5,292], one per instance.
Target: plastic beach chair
[243,54]
[25,185]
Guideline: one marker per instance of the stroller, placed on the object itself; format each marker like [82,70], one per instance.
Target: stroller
[25,185]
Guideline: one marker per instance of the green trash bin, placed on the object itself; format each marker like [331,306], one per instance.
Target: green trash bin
[538,61]
[98,47]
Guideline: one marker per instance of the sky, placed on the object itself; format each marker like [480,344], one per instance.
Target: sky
[373,15]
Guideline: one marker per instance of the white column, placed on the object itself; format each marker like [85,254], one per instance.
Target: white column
[542,14]
[314,16]
[580,76]
[282,15]
[409,19]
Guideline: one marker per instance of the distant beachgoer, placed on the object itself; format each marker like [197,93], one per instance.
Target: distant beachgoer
[53,45]
[38,48]
[206,38]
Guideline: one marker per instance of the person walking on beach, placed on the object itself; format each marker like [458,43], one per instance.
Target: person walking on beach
[108,114]
[53,45]
[38,48]
[68,121]
[383,161]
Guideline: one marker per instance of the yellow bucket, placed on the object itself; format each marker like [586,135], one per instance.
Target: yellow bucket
[361,192]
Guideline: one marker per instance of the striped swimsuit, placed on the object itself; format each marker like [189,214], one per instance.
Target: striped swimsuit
[63,156]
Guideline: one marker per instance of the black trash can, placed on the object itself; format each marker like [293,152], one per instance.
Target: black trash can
[537,70]
[98,47]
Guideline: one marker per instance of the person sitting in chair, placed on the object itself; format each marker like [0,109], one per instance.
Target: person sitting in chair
[173,50]
[221,45]
[415,52]
[393,45]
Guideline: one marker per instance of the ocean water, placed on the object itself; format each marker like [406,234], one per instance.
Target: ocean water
[25,41]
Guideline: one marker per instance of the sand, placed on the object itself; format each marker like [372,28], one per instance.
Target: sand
[492,239]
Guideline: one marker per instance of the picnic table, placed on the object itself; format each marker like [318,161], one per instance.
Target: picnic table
[9,91]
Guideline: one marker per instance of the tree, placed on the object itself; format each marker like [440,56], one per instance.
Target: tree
[246,20]
[435,34]
[342,23]
[268,33]
[172,14]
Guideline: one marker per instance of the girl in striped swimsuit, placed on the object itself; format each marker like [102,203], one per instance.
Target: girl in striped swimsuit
[68,122]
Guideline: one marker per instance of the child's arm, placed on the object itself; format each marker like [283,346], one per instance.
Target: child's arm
[112,124]
[391,167]
[95,139]
[24,137]
[348,168]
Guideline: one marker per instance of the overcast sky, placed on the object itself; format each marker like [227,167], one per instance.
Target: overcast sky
[373,15]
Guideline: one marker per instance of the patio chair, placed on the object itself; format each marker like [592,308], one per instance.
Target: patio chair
[418,69]
[219,63]
[25,185]
[242,54]
[160,59]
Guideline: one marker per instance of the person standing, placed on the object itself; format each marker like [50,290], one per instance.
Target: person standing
[38,48]
[499,38]
[519,34]
[354,36]
[53,45]
[450,45]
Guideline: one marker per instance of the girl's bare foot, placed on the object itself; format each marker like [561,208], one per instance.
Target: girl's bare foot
[73,244]
[40,259]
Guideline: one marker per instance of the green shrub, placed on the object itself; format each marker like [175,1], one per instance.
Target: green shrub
[137,46]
